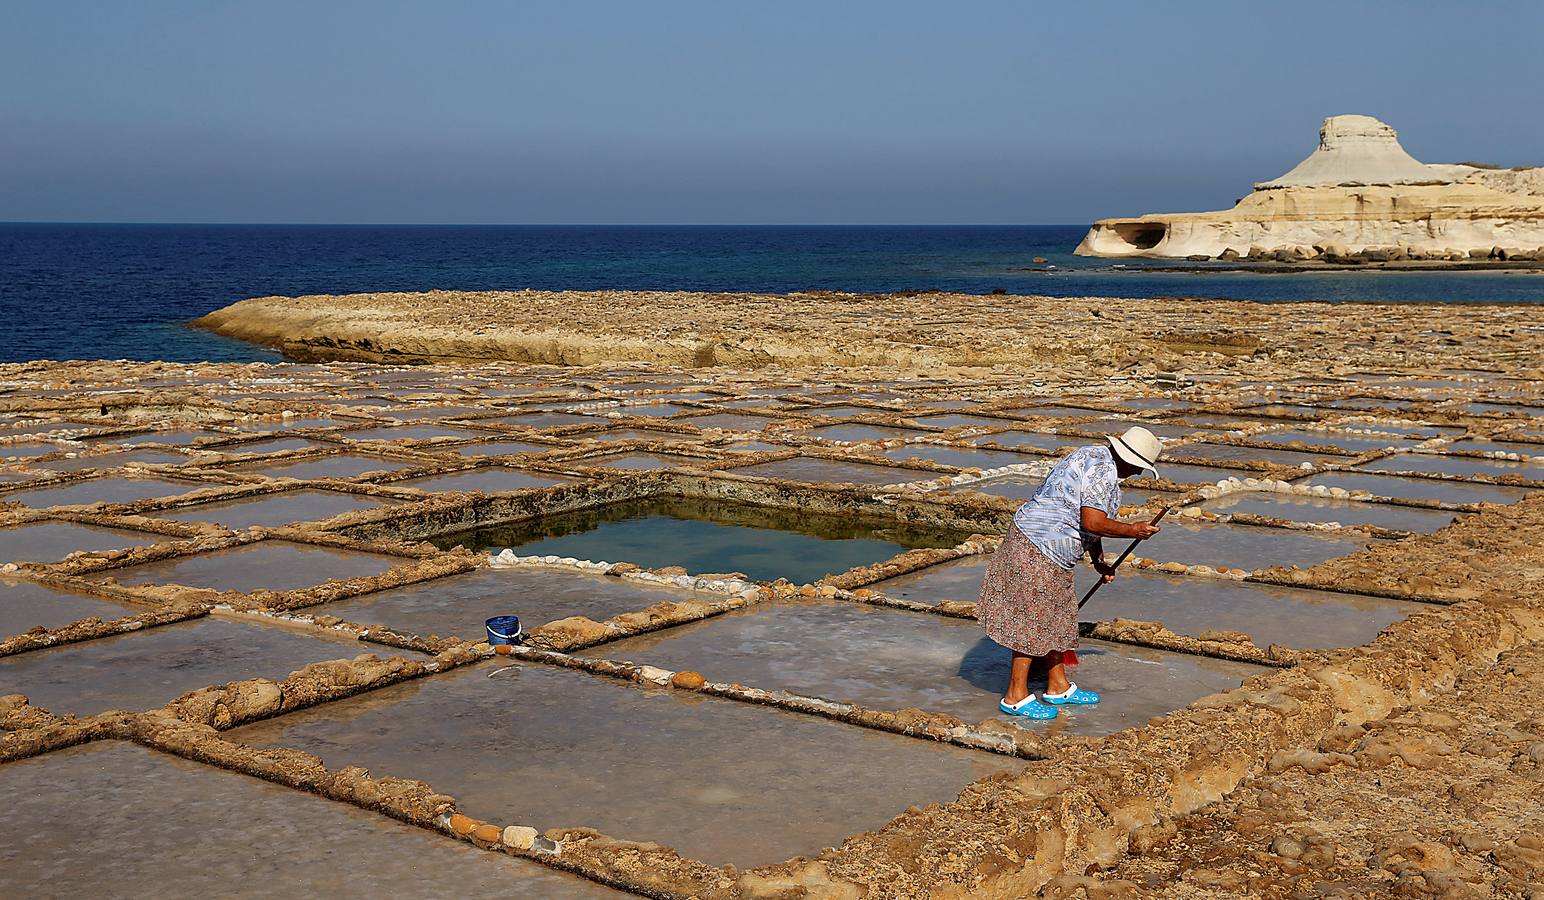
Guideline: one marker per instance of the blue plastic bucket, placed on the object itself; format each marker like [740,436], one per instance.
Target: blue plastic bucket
[503,630]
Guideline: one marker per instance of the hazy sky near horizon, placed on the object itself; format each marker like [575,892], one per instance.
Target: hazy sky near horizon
[717,111]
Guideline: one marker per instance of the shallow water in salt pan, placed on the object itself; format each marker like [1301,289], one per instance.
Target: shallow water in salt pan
[1293,617]
[645,462]
[110,460]
[488,479]
[892,659]
[1298,508]
[459,604]
[1487,446]
[499,448]
[847,411]
[816,470]
[635,434]
[145,669]
[216,833]
[27,604]
[959,421]
[545,420]
[410,433]
[653,410]
[1179,473]
[102,489]
[1119,426]
[343,465]
[413,411]
[1057,411]
[855,433]
[1234,453]
[1404,488]
[270,565]
[1036,439]
[174,438]
[273,509]
[1336,440]
[276,445]
[962,456]
[1455,465]
[958,579]
[1016,487]
[555,747]
[731,422]
[53,541]
[1241,546]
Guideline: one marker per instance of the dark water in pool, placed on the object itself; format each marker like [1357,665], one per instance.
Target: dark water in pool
[705,536]
[125,291]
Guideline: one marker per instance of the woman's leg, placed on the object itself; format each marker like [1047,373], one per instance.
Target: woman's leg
[1056,673]
[1018,678]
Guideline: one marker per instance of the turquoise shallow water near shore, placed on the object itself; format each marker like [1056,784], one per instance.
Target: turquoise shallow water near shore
[126,291]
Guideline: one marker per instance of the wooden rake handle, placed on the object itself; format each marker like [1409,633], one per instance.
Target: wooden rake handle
[1122,558]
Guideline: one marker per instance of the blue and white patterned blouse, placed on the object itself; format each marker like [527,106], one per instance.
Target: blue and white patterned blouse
[1053,518]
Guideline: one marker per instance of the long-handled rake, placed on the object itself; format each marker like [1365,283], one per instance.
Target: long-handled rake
[1122,558]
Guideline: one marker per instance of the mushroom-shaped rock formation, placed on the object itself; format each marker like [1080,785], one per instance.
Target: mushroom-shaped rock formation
[1358,196]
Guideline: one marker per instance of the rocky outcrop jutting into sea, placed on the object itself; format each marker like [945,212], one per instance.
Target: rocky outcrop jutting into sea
[1359,197]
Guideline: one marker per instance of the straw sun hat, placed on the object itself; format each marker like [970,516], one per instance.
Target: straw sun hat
[1137,446]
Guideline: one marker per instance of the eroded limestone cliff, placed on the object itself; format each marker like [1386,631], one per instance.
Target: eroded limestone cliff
[1358,197]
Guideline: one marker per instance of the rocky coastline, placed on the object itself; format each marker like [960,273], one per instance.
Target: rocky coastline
[933,334]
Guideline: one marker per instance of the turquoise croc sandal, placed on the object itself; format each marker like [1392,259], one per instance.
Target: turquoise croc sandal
[1027,708]
[1073,695]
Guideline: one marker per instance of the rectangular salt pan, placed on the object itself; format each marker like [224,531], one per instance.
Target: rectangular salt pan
[893,659]
[1299,508]
[53,541]
[731,422]
[264,565]
[964,457]
[1241,546]
[288,843]
[1335,440]
[549,746]
[644,462]
[1235,453]
[488,479]
[1016,487]
[459,604]
[145,669]
[111,460]
[499,448]
[636,434]
[1037,440]
[815,470]
[410,433]
[1455,465]
[25,605]
[856,433]
[102,489]
[1292,617]
[282,508]
[1404,488]
[341,466]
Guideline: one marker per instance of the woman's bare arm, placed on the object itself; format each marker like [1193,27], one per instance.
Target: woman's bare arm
[1094,521]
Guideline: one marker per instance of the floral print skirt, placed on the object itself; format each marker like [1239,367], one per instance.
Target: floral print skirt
[1027,601]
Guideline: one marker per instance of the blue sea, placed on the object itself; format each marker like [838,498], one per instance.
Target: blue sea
[127,291]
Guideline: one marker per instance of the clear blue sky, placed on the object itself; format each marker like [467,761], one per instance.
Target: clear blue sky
[722,111]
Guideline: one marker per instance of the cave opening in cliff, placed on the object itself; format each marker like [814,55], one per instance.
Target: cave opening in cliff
[1141,235]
